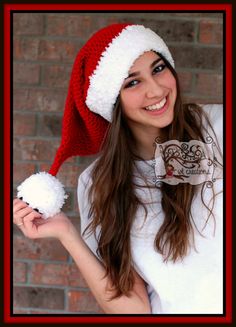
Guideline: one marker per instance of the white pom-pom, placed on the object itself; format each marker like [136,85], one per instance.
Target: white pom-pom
[43,192]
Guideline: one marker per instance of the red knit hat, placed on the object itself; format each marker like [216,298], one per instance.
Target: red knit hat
[99,70]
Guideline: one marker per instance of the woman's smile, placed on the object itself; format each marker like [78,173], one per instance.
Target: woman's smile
[148,94]
[158,108]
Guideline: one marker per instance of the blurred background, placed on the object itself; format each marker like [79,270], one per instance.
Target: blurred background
[45,45]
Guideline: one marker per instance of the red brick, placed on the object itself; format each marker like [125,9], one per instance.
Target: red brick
[24,124]
[19,272]
[210,32]
[49,274]
[71,25]
[57,50]
[21,170]
[87,160]
[26,73]
[75,279]
[28,24]
[31,149]
[209,84]
[69,204]
[68,174]
[35,297]
[17,48]
[82,301]
[57,274]
[56,75]
[50,125]
[198,57]
[174,30]
[44,249]
[82,26]
[56,25]
[20,98]
[44,100]
[200,100]
[46,166]
[26,48]
[185,80]
[16,230]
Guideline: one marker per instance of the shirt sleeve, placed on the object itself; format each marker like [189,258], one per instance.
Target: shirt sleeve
[84,183]
[215,114]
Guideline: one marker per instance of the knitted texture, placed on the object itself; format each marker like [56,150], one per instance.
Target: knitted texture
[44,192]
[82,130]
[99,70]
[115,63]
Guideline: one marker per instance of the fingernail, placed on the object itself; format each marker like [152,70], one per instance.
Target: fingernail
[38,211]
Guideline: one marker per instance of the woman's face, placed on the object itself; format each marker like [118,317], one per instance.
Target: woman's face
[148,95]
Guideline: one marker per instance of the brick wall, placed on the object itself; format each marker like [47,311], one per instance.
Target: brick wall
[45,278]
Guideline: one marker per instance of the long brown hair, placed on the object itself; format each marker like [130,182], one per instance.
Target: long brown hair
[114,201]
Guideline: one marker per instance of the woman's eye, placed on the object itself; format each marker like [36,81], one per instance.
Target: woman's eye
[131,83]
[156,70]
[159,68]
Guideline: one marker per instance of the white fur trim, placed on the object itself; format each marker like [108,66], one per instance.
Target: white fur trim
[114,65]
[43,192]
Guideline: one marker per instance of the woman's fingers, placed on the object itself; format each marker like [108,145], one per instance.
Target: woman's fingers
[26,218]
[30,225]
[29,228]
[20,214]
[22,210]
[30,217]
[17,205]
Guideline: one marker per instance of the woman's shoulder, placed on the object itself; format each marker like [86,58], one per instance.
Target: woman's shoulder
[83,186]
[214,113]
[212,106]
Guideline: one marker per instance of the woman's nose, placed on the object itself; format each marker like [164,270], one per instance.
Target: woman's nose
[153,88]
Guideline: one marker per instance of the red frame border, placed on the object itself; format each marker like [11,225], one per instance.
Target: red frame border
[8,8]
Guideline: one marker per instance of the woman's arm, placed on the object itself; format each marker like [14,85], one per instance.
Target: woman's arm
[90,267]
[93,272]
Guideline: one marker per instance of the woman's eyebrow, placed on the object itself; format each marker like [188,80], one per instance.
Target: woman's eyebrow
[151,66]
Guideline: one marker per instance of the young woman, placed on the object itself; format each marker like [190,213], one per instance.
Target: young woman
[146,247]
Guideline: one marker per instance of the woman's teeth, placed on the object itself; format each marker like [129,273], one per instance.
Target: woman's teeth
[157,106]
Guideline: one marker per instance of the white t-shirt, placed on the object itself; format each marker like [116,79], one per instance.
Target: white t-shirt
[195,284]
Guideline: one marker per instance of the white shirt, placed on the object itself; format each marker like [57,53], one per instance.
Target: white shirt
[191,286]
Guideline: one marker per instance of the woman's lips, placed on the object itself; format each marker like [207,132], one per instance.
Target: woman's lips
[158,112]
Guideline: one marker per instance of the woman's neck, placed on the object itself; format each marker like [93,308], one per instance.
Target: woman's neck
[145,143]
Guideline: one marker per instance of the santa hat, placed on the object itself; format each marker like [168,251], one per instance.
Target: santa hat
[98,73]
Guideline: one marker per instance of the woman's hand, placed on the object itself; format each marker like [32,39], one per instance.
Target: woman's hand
[34,226]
